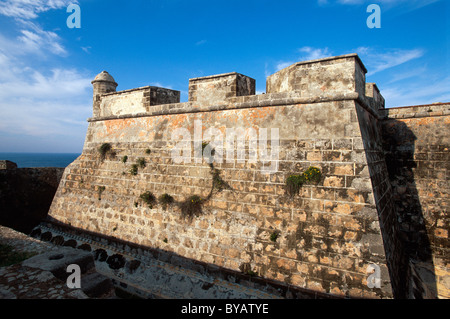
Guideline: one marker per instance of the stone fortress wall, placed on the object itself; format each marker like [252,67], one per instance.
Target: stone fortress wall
[325,238]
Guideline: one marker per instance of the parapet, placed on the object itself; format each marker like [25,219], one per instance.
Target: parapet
[340,74]
[216,89]
[332,78]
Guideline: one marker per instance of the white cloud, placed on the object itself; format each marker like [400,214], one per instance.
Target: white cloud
[200,42]
[307,53]
[417,93]
[29,9]
[380,61]
[283,64]
[314,53]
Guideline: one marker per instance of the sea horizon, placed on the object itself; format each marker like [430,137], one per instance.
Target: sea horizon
[39,159]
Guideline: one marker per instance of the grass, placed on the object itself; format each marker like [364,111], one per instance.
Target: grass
[8,256]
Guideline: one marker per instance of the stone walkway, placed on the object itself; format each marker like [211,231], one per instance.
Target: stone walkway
[23,281]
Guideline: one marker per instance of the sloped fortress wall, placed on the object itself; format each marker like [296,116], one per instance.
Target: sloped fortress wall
[417,152]
[236,213]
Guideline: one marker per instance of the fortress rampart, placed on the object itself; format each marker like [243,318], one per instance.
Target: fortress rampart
[327,237]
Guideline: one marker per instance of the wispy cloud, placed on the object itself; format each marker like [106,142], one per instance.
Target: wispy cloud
[201,42]
[417,92]
[306,53]
[30,9]
[380,61]
[309,53]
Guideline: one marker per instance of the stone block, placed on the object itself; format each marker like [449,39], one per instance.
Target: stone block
[217,89]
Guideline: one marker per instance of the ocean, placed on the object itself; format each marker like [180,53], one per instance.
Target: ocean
[40,159]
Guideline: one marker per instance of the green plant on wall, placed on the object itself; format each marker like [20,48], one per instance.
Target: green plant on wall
[147,151]
[148,198]
[294,182]
[192,206]
[104,149]
[134,169]
[124,159]
[274,236]
[100,190]
[165,200]
[141,162]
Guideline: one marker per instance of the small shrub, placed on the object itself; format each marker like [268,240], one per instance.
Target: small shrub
[191,207]
[104,149]
[274,236]
[134,169]
[312,175]
[100,190]
[147,151]
[293,184]
[148,198]
[165,200]
[165,240]
[124,159]
[141,162]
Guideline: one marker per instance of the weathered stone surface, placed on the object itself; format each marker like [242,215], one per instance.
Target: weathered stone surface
[327,236]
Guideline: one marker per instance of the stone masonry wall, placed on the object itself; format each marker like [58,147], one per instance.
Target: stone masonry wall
[323,239]
[417,152]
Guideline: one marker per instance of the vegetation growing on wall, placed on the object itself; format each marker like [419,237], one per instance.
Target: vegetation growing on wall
[141,162]
[134,169]
[192,206]
[294,182]
[104,149]
[165,200]
[148,198]
[100,190]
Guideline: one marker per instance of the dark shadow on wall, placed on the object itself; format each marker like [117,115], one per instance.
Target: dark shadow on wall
[399,148]
[26,195]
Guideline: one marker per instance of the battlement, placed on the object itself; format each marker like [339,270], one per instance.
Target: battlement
[332,78]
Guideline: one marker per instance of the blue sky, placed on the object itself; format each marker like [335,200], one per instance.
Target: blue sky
[46,68]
